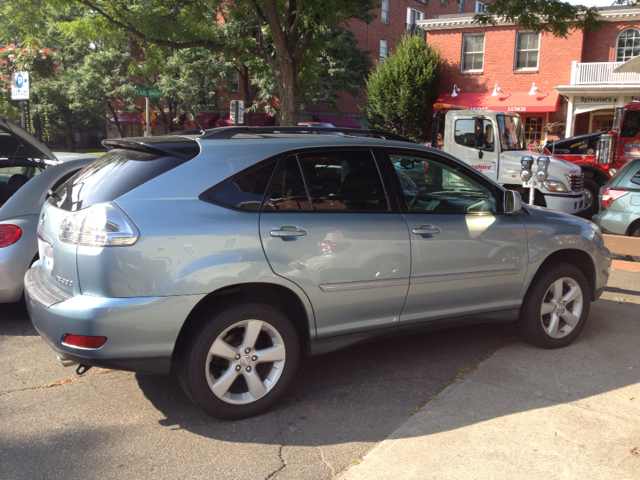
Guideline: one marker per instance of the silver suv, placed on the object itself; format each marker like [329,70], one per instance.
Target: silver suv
[227,255]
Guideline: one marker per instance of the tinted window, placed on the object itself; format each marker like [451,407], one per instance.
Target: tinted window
[289,192]
[347,180]
[630,124]
[246,191]
[12,178]
[433,187]
[111,176]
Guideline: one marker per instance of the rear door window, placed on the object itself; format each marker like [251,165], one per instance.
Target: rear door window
[14,177]
[343,181]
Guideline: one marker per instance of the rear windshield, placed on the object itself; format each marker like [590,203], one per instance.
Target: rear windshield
[111,176]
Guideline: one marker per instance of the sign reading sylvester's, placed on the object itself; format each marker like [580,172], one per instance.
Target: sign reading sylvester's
[20,86]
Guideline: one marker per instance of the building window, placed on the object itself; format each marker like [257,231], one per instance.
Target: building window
[460,6]
[527,49]
[480,7]
[413,16]
[628,45]
[234,81]
[383,50]
[385,11]
[533,129]
[443,2]
[472,52]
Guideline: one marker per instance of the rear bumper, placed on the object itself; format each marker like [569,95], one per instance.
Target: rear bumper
[567,204]
[141,332]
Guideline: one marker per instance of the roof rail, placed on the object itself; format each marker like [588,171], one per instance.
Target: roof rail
[222,133]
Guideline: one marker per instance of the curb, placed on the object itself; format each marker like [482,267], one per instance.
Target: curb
[622,265]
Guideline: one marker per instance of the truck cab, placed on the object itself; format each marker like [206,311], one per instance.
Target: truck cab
[493,143]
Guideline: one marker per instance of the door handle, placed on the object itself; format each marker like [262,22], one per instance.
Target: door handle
[426,230]
[288,231]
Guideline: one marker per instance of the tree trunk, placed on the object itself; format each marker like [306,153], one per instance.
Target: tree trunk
[68,130]
[115,119]
[287,82]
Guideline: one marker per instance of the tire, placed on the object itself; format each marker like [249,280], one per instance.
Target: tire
[543,321]
[592,190]
[224,372]
[635,232]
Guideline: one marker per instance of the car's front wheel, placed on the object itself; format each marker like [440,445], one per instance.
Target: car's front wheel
[239,361]
[556,306]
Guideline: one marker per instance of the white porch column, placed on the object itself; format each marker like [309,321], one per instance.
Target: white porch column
[570,118]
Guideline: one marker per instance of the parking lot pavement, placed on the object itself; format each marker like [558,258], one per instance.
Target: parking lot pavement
[526,413]
[122,425]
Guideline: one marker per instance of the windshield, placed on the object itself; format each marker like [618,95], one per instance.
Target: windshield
[511,132]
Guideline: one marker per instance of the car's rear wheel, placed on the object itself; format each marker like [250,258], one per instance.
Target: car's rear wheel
[556,306]
[239,361]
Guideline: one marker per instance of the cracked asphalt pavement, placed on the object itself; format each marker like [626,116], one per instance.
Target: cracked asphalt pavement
[111,424]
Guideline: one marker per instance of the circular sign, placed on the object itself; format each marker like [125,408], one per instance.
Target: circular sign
[19,80]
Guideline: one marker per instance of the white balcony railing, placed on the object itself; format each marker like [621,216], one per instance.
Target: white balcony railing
[599,73]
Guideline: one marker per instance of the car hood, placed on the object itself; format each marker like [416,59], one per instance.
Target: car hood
[28,145]
[558,168]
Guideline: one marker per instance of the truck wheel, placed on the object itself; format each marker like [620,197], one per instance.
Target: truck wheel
[556,306]
[239,361]
[635,233]
[591,190]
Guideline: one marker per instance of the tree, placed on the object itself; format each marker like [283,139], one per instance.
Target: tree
[281,33]
[550,16]
[402,88]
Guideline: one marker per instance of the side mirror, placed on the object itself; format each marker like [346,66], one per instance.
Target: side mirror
[478,133]
[512,202]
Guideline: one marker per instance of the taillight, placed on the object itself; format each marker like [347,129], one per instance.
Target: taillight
[101,225]
[609,195]
[83,341]
[9,234]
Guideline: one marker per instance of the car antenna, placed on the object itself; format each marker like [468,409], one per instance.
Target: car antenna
[194,117]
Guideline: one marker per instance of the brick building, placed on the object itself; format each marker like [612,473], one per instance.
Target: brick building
[543,78]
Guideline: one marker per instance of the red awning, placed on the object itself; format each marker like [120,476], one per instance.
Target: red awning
[257,120]
[263,120]
[206,119]
[519,102]
[133,118]
[345,122]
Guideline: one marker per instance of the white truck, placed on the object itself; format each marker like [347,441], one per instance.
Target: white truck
[493,142]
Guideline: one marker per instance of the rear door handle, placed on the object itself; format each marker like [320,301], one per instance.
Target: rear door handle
[426,230]
[288,231]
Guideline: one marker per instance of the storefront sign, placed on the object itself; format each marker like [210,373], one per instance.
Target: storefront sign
[592,100]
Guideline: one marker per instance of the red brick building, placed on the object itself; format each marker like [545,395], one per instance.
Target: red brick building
[543,78]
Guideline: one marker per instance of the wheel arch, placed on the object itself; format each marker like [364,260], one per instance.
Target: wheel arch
[596,175]
[632,226]
[579,259]
[289,302]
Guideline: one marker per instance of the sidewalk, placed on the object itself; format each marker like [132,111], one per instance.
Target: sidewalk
[528,413]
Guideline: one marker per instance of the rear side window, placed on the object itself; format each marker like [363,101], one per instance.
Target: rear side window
[111,176]
[246,191]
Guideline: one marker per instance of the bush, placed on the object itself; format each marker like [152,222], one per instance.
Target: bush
[402,88]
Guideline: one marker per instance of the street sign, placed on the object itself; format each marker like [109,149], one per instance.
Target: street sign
[146,92]
[152,116]
[236,107]
[20,86]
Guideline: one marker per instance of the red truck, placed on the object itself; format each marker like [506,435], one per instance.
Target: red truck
[602,154]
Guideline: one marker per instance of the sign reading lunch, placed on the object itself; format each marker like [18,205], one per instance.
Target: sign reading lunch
[20,86]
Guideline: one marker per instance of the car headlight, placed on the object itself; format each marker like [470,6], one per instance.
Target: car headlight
[596,234]
[554,186]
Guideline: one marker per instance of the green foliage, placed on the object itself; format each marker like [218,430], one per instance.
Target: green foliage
[402,88]
[550,16]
